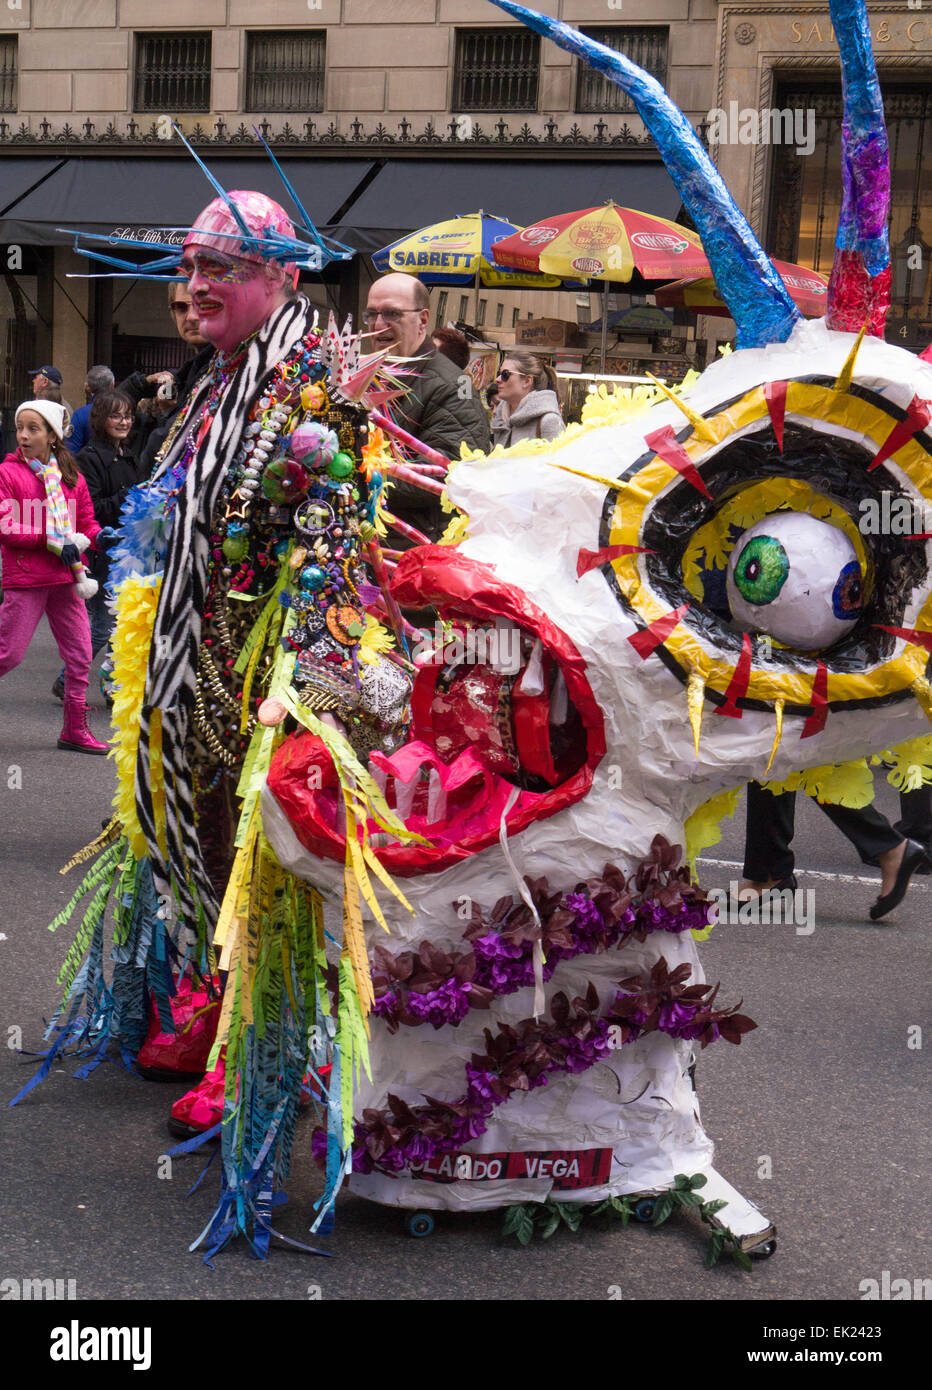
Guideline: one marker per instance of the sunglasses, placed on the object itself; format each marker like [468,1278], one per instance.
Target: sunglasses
[387,315]
[507,374]
[179,307]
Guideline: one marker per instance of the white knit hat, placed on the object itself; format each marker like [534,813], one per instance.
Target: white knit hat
[52,413]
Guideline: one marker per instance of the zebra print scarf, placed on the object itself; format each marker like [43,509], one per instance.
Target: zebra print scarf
[172,670]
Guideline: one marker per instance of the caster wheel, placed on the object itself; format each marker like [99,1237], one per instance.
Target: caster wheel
[419,1223]
[764,1250]
[644,1209]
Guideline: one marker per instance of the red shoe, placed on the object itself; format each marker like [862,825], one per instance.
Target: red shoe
[76,737]
[182,1055]
[200,1108]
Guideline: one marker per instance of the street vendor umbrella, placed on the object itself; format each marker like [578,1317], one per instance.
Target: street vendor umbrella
[607,243]
[808,290]
[459,252]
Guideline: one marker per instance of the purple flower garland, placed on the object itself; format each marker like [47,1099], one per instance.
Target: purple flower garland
[436,987]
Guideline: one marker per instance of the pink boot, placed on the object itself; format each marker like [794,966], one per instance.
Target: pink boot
[75,735]
[202,1107]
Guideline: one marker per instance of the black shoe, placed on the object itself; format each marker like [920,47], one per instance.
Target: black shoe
[182,1130]
[58,689]
[788,882]
[926,866]
[913,856]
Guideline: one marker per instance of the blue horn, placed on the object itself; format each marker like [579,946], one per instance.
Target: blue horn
[745,276]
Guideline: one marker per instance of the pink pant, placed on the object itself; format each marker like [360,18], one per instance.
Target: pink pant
[67,615]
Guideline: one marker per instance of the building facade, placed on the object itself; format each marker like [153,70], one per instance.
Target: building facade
[390,117]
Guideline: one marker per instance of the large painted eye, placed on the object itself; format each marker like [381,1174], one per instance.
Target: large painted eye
[796,579]
[761,570]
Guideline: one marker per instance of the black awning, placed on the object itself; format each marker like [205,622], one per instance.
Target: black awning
[363,202]
[20,176]
[101,194]
[410,193]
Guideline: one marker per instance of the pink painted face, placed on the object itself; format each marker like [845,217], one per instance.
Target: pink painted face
[232,297]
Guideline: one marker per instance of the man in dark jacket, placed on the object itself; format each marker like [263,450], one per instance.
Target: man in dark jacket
[442,407]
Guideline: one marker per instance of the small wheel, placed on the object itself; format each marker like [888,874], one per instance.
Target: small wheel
[764,1250]
[419,1223]
[644,1209]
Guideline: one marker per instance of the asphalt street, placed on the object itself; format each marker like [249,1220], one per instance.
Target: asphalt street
[821,1116]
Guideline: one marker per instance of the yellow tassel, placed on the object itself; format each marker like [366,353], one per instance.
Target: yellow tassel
[247,685]
[701,427]
[615,483]
[778,711]
[847,371]
[695,697]
[923,693]
[112,832]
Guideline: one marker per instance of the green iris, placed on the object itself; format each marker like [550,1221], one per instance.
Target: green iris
[761,569]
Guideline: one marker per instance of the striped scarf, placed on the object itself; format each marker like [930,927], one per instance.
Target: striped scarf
[171,681]
[58,532]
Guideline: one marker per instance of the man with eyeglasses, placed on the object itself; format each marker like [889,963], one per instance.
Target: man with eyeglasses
[442,407]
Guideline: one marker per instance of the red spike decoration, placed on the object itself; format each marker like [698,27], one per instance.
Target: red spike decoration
[738,685]
[665,445]
[775,396]
[918,414]
[588,560]
[646,642]
[909,634]
[815,723]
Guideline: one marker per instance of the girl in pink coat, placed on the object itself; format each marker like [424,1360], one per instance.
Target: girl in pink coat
[46,521]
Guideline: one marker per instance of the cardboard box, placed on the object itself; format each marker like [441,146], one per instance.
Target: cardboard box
[545,333]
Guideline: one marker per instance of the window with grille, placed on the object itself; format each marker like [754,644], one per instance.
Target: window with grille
[480,315]
[645,46]
[172,72]
[442,308]
[499,309]
[514,318]
[496,70]
[8,72]
[464,306]
[285,70]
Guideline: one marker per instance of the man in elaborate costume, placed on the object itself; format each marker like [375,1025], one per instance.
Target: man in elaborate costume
[239,578]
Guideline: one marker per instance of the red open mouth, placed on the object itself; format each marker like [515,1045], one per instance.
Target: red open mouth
[508,727]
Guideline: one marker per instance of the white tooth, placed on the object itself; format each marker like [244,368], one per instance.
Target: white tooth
[436,799]
[404,795]
[559,700]
[532,682]
[505,650]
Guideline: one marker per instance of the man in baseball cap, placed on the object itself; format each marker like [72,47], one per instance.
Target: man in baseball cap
[45,376]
